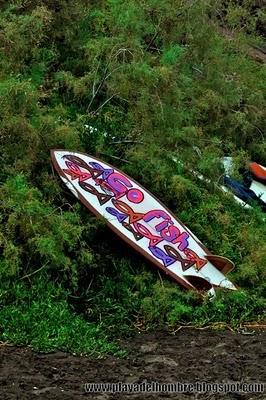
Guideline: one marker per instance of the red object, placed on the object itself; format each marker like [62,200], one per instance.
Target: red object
[258,172]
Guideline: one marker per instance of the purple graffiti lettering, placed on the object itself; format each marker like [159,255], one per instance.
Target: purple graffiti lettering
[117,214]
[81,163]
[105,172]
[162,225]
[135,196]
[159,253]
[170,233]
[182,240]
[119,184]
[156,214]
[96,165]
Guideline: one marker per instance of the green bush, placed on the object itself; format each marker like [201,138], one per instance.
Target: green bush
[159,90]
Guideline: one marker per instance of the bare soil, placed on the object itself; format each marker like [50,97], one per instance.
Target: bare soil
[187,356]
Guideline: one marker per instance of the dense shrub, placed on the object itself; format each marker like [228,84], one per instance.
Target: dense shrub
[159,90]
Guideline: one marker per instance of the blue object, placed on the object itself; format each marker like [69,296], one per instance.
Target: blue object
[243,192]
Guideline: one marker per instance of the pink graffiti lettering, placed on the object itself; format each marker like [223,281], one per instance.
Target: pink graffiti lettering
[135,196]
[182,240]
[172,234]
[158,214]
[119,184]
[75,172]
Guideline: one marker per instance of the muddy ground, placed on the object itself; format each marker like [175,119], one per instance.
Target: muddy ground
[186,357]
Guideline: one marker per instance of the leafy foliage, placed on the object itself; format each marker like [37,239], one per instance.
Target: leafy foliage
[156,83]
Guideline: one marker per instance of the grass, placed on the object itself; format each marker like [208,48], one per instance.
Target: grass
[39,316]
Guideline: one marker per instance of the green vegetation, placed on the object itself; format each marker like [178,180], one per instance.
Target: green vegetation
[40,316]
[158,81]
